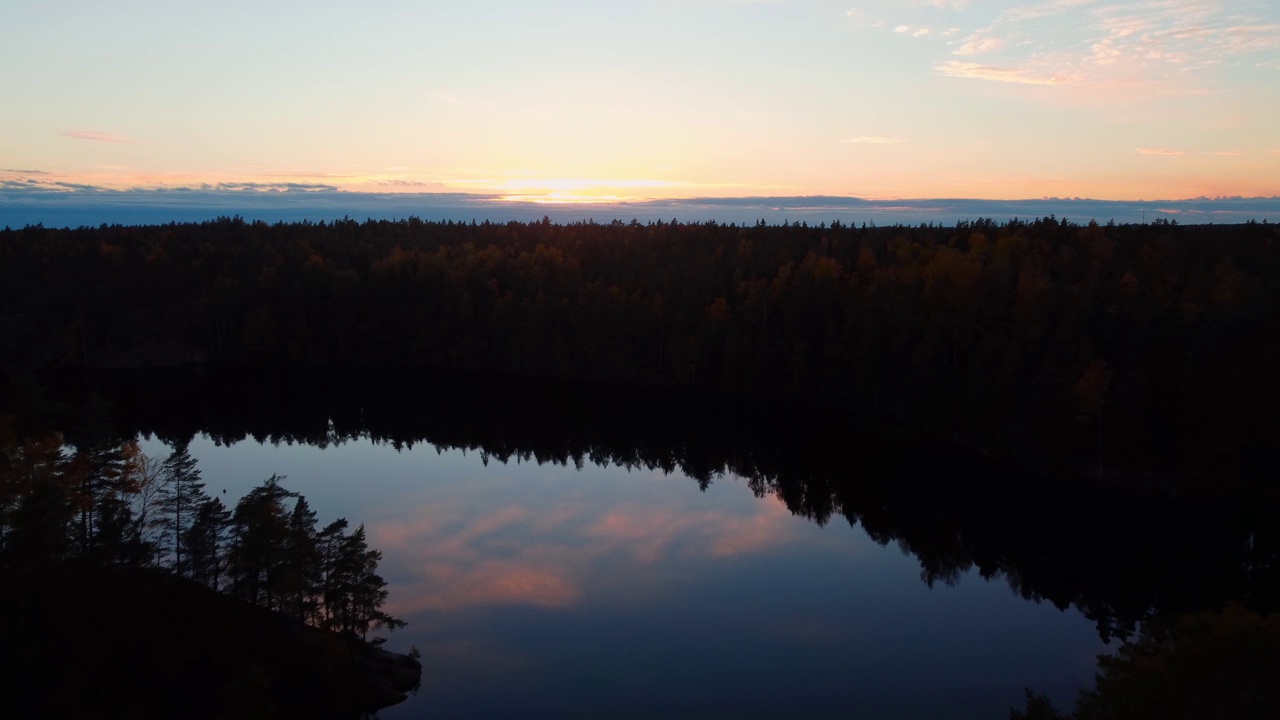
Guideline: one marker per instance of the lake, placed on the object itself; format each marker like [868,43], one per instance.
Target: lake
[561,551]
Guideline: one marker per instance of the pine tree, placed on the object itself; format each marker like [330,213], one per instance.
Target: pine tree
[357,590]
[301,571]
[116,537]
[38,511]
[204,542]
[91,476]
[329,541]
[183,494]
[260,526]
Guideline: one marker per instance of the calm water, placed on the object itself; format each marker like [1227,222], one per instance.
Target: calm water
[568,552]
[548,591]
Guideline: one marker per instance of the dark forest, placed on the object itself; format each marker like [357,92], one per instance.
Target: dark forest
[1135,356]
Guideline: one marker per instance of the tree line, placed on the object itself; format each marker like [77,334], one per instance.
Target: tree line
[112,505]
[1130,354]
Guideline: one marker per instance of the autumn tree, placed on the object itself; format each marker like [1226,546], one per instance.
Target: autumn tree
[149,524]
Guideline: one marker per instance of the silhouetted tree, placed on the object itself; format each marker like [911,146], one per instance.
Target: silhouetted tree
[149,525]
[259,535]
[329,541]
[38,508]
[183,495]
[204,542]
[302,571]
[359,590]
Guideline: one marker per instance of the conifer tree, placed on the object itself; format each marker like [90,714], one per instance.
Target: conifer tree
[301,576]
[260,526]
[329,541]
[38,510]
[183,495]
[360,590]
[204,542]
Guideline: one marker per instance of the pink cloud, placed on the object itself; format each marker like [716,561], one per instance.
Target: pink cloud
[511,583]
[975,45]
[99,136]
[547,557]
[1021,76]
[873,140]
[1179,32]
[453,565]
[741,536]
[454,586]
[650,534]
[492,523]
[1160,151]
[1178,153]
[1103,45]
[1032,12]
[646,535]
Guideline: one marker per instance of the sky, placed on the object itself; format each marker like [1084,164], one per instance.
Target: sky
[571,101]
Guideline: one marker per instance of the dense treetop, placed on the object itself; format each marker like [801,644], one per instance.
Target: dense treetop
[1137,354]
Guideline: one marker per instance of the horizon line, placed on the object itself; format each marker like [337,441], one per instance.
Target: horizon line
[299,190]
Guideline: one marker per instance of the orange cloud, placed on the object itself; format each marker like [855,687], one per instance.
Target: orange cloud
[99,136]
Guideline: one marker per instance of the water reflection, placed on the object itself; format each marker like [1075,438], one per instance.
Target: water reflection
[543,590]
[554,558]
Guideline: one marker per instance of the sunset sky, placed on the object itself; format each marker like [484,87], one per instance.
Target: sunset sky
[592,100]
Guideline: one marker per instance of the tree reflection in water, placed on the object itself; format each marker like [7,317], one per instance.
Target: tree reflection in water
[1123,560]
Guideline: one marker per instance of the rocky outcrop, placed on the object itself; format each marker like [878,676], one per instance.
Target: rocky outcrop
[394,675]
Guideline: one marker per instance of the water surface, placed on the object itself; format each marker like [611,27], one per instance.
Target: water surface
[544,590]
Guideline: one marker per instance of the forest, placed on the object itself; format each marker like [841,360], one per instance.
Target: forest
[1136,356]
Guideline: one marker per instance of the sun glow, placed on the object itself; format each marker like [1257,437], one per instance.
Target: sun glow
[567,198]
[583,191]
